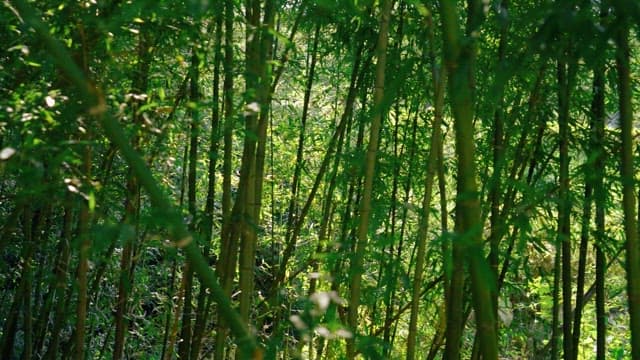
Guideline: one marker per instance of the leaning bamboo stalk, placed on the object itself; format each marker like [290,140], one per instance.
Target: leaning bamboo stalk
[177,231]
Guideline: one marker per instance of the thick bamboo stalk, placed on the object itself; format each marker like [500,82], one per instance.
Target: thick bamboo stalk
[628,176]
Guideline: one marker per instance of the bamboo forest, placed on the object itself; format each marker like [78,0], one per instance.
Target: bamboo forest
[319,179]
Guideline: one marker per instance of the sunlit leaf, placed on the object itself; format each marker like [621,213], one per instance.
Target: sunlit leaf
[6,153]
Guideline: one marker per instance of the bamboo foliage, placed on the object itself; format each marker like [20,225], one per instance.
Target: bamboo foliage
[278,179]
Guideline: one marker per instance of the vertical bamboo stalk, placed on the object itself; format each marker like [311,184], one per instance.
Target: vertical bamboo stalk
[370,162]
[460,56]
[628,176]
[599,197]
